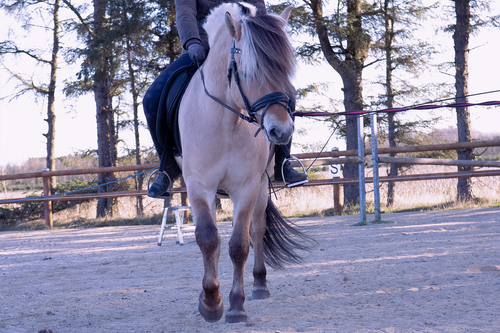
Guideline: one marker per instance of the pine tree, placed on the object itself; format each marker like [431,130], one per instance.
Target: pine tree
[403,52]
[344,44]
[461,41]
[126,47]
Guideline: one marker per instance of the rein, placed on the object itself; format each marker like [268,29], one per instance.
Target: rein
[263,102]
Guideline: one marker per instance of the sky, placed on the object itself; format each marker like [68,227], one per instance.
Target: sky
[22,120]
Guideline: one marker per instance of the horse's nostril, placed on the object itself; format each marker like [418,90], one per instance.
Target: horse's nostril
[272,133]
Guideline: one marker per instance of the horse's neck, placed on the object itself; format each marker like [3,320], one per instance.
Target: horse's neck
[215,70]
[215,67]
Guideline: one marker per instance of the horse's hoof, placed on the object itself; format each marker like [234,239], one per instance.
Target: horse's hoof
[260,294]
[235,316]
[211,316]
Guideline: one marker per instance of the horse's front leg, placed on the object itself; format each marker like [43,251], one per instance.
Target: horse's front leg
[258,230]
[239,247]
[207,236]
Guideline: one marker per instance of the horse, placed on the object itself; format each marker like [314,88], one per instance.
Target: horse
[249,67]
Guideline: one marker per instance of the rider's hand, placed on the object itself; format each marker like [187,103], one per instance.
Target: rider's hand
[197,53]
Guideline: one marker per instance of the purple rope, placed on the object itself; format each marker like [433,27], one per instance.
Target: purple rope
[421,107]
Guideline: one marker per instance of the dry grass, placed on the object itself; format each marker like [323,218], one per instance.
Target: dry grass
[297,202]
[438,193]
[410,196]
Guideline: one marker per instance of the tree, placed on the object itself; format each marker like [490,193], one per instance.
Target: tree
[101,60]
[145,37]
[470,15]
[403,52]
[97,73]
[25,8]
[461,43]
[126,43]
[344,44]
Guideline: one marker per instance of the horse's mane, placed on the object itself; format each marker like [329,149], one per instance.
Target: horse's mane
[266,49]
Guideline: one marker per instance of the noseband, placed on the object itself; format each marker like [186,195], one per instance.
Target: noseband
[263,102]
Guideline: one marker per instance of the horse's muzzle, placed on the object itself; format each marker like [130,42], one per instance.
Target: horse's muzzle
[278,132]
[279,136]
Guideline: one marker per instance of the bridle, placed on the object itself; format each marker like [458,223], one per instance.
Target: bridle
[263,102]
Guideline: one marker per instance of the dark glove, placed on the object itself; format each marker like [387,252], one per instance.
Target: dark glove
[197,53]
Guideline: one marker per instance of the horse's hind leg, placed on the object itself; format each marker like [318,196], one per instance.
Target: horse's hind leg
[258,230]
[210,303]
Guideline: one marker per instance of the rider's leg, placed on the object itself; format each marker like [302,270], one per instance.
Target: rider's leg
[291,176]
[150,103]
[282,152]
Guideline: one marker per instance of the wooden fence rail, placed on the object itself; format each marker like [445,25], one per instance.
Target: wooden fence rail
[324,158]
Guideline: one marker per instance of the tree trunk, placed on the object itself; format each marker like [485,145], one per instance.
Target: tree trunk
[51,116]
[461,40]
[139,179]
[353,101]
[104,112]
[350,70]
[389,36]
[393,168]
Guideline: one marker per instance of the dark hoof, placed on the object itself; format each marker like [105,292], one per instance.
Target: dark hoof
[260,294]
[211,316]
[234,316]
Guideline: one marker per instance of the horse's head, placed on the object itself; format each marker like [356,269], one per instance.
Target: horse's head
[261,64]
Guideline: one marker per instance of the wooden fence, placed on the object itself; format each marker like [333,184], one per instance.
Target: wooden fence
[314,159]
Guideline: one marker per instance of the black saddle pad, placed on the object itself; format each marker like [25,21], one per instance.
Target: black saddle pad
[167,127]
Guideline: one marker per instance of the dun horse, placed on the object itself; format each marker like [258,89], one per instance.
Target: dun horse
[222,148]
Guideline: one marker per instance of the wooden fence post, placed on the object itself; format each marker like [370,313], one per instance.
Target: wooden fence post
[337,206]
[47,205]
[184,200]
[335,173]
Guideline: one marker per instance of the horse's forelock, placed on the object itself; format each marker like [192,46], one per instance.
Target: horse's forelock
[266,49]
[267,52]
[215,19]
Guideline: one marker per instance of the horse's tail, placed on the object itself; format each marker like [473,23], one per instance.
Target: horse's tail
[282,239]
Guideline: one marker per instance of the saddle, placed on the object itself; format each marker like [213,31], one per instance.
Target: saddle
[167,127]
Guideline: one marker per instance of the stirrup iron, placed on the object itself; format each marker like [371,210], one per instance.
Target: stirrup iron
[283,172]
[169,186]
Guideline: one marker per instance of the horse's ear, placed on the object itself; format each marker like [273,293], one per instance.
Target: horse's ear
[233,26]
[285,15]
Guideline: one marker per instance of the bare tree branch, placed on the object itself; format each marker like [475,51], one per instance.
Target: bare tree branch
[29,85]
[82,20]
[8,47]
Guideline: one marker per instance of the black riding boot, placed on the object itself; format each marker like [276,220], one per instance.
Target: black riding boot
[291,176]
[159,189]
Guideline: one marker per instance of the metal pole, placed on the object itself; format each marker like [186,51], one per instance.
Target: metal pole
[361,170]
[376,187]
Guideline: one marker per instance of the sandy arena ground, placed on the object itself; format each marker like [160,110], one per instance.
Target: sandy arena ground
[427,272]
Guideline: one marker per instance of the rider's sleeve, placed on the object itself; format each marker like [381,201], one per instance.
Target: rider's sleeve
[187,25]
